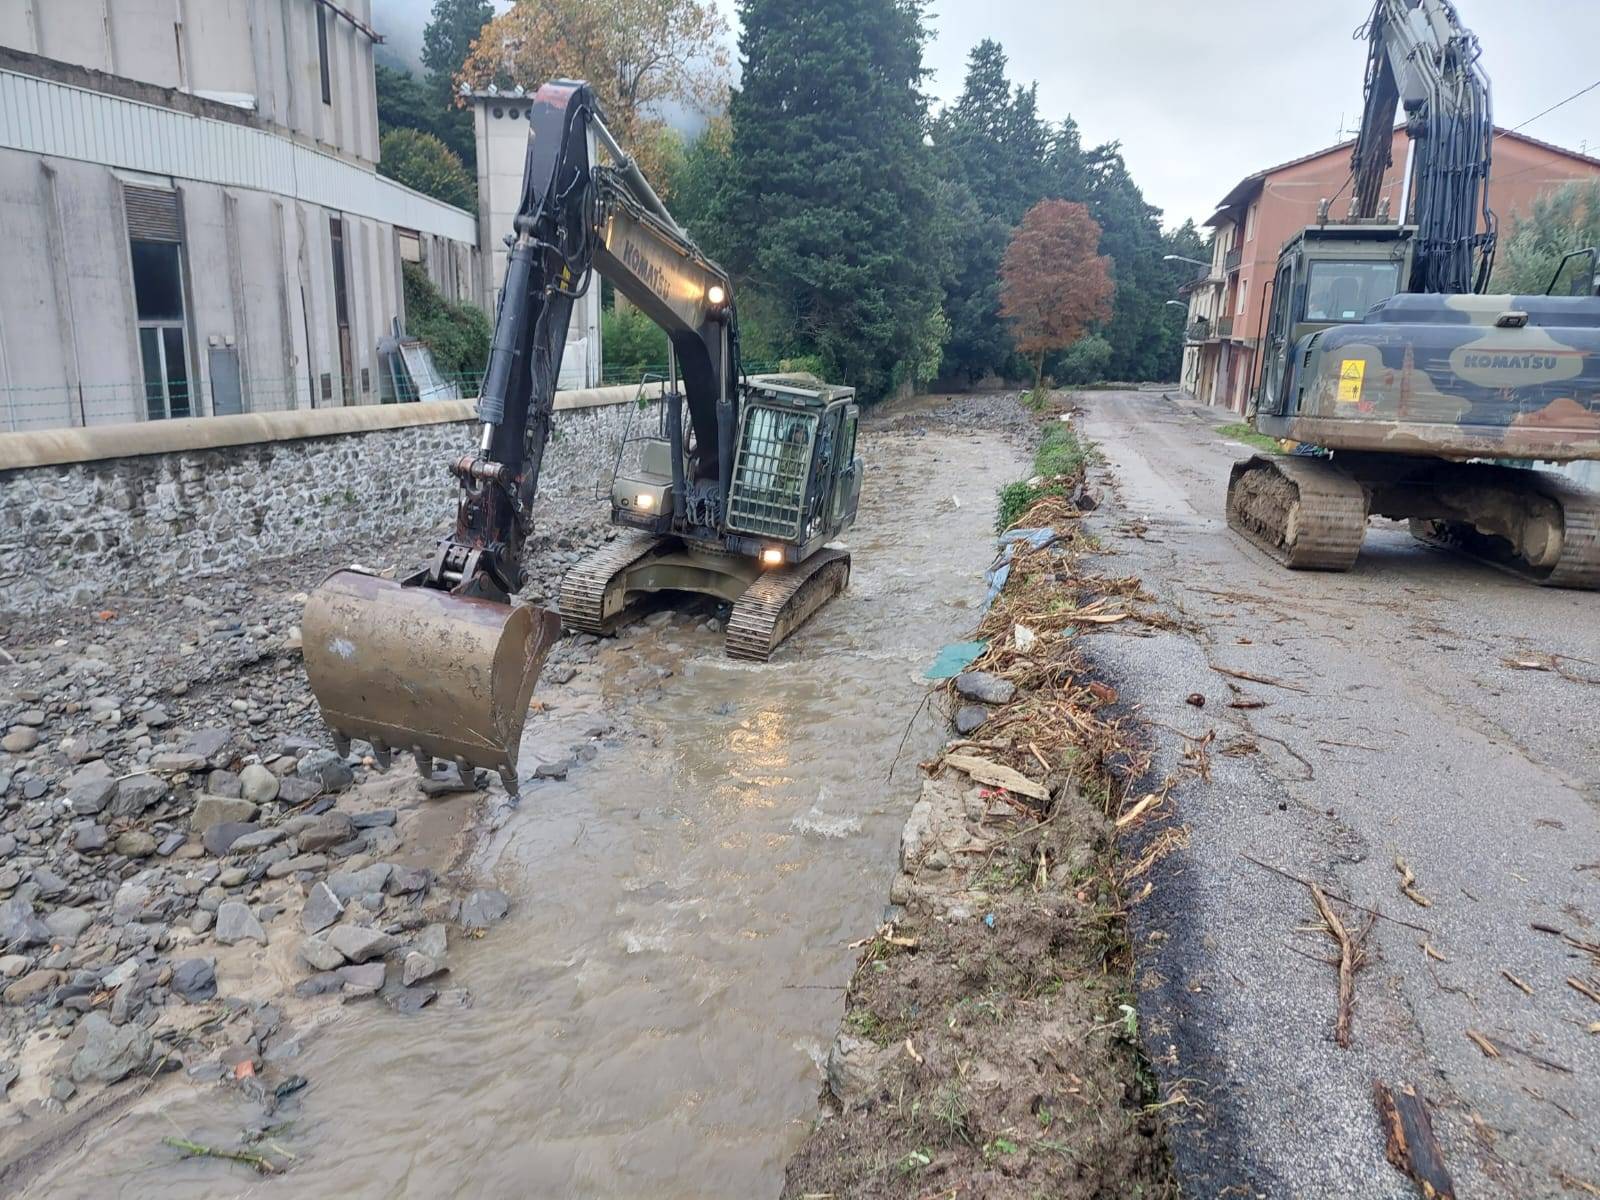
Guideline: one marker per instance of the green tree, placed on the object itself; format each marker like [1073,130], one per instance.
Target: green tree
[446,41]
[830,203]
[458,334]
[992,152]
[421,161]
[1562,220]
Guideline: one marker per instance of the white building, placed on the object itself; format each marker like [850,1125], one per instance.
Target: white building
[191,219]
[500,122]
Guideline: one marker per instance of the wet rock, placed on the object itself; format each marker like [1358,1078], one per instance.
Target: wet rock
[411,1000]
[35,985]
[236,923]
[136,843]
[210,745]
[170,844]
[325,768]
[257,784]
[89,838]
[194,979]
[323,984]
[347,885]
[220,837]
[19,740]
[406,881]
[137,793]
[173,761]
[362,980]
[69,922]
[19,928]
[360,944]
[259,840]
[483,908]
[294,791]
[213,810]
[854,1070]
[377,818]
[319,954]
[49,884]
[201,921]
[326,831]
[122,973]
[91,798]
[322,909]
[223,783]
[232,877]
[300,862]
[553,770]
[970,717]
[985,687]
[110,1052]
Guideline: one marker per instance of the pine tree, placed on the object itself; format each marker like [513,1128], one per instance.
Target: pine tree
[446,39]
[830,209]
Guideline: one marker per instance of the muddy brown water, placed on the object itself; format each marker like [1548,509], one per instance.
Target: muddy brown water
[651,1019]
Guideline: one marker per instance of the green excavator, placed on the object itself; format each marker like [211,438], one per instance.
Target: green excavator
[1428,399]
[739,494]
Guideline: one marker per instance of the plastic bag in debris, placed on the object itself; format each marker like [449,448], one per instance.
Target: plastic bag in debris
[996,576]
[954,659]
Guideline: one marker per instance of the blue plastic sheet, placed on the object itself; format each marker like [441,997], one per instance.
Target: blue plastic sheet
[996,576]
[954,659]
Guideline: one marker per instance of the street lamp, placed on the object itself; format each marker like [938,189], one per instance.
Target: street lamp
[1177,304]
[1180,258]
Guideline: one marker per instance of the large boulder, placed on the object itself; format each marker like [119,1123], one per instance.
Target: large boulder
[110,1052]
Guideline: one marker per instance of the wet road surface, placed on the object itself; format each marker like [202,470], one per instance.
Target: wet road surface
[1400,729]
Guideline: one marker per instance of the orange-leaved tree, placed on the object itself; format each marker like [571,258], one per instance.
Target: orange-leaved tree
[1054,282]
[638,54]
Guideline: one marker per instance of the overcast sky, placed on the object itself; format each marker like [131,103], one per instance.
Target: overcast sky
[1204,92]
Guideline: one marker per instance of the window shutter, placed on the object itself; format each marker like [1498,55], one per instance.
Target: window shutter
[152,214]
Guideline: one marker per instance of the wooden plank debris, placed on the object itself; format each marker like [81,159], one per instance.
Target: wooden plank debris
[997,775]
[1409,1140]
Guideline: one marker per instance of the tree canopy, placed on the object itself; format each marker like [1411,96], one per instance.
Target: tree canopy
[1562,220]
[639,55]
[1055,282]
[830,213]
[420,160]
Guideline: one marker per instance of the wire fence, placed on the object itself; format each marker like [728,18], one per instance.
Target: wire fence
[98,404]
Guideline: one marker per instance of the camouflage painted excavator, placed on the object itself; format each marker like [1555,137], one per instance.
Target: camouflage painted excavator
[1433,399]
[740,501]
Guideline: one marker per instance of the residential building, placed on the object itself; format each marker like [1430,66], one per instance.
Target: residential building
[1263,211]
[500,121]
[191,216]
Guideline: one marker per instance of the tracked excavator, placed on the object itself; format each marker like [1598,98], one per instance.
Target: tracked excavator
[1430,399]
[739,493]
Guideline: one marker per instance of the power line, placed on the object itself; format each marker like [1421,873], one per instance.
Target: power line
[1553,107]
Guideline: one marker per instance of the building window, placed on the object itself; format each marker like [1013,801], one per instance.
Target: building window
[410,245]
[322,53]
[155,250]
[1244,289]
[1250,224]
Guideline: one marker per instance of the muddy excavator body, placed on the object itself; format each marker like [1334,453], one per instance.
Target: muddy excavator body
[737,496]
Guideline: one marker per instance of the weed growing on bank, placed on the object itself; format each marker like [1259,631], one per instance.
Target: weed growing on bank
[1058,468]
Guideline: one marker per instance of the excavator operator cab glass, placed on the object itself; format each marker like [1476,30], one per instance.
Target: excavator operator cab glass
[1346,291]
[1578,274]
[771,471]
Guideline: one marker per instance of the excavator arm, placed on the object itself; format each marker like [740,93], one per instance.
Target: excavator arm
[1421,58]
[444,664]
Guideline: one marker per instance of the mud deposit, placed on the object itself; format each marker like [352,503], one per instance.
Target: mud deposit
[653,1018]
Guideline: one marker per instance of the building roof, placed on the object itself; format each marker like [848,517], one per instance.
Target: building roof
[1243,189]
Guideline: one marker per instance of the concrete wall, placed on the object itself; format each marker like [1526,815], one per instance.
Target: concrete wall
[259,53]
[291,483]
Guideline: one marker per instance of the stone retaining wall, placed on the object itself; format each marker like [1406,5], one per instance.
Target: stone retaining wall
[81,532]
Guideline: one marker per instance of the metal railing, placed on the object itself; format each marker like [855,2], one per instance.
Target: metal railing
[1234,258]
[1224,327]
[1199,331]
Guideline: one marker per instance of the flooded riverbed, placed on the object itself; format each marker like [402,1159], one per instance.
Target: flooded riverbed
[651,1018]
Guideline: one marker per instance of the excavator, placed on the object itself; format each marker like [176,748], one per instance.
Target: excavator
[1428,399]
[740,495]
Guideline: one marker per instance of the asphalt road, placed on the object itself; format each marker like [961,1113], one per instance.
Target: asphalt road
[1398,729]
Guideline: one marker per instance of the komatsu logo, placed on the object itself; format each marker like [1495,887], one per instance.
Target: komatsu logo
[1511,362]
[652,275]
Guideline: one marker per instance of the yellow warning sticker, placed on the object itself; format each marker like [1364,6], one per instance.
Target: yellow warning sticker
[1352,372]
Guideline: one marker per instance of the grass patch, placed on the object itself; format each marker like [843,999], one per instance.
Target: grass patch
[1057,465]
[1240,432]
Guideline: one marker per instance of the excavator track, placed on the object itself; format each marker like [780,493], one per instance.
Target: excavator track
[1305,512]
[584,588]
[781,601]
[1578,565]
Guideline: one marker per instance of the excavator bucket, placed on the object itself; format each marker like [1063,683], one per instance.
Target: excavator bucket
[418,669]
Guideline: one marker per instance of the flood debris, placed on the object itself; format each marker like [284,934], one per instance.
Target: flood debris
[1351,958]
[1409,1140]
[1408,884]
[990,1043]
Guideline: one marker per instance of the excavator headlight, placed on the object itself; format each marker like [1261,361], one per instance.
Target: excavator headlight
[716,295]
[772,557]
[645,500]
